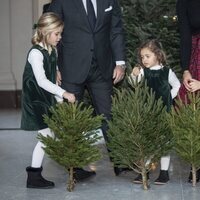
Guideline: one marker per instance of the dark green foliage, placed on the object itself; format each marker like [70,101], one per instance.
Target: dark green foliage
[155,19]
[185,123]
[75,132]
[139,131]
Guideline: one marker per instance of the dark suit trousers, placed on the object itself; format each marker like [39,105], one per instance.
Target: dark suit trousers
[100,91]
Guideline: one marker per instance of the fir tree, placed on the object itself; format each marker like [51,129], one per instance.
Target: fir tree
[185,123]
[75,132]
[138,132]
[144,19]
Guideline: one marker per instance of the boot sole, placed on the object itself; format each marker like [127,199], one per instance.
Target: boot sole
[137,182]
[160,183]
[37,187]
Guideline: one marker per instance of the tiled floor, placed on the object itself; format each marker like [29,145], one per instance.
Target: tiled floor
[15,153]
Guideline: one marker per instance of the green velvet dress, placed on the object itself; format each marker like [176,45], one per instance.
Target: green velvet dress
[35,100]
[158,81]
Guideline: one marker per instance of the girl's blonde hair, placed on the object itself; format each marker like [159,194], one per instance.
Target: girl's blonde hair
[47,23]
[156,48]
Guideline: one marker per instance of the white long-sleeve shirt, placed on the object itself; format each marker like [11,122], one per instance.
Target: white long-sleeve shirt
[94,2]
[35,58]
[172,79]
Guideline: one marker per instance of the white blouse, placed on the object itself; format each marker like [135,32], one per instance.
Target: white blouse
[35,58]
[172,79]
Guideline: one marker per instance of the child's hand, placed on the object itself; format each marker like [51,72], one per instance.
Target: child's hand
[194,85]
[69,96]
[136,71]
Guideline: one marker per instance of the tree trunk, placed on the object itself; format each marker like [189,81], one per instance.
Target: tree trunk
[144,179]
[194,178]
[71,181]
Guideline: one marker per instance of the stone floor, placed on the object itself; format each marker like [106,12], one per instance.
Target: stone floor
[15,154]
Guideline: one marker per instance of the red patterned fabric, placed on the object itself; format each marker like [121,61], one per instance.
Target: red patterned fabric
[194,67]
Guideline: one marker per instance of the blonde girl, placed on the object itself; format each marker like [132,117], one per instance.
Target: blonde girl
[40,90]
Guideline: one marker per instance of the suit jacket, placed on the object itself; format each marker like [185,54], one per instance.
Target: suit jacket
[79,43]
[46,8]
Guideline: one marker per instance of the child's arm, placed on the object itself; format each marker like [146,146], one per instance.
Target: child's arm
[35,58]
[58,77]
[174,82]
[137,73]
[194,85]
[69,96]
[66,95]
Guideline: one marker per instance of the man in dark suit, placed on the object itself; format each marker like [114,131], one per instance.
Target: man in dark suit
[91,53]
[45,8]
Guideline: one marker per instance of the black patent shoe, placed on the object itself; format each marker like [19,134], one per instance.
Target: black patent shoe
[138,179]
[119,170]
[163,178]
[81,174]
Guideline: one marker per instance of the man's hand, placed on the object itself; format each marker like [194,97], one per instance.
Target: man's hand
[118,74]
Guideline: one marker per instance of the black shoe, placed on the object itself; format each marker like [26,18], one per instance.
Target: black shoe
[163,178]
[119,170]
[138,179]
[81,174]
[197,176]
[35,179]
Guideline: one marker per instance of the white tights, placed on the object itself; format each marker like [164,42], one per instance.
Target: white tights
[164,162]
[38,152]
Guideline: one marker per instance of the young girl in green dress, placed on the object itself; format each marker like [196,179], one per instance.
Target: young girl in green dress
[40,90]
[163,82]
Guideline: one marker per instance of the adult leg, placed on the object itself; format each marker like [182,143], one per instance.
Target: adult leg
[78,90]
[101,91]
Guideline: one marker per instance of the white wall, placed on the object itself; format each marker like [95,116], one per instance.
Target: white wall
[38,8]
[6,77]
[16,20]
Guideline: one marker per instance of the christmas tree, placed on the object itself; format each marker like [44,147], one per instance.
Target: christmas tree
[185,123]
[138,133]
[75,132]
[155,19]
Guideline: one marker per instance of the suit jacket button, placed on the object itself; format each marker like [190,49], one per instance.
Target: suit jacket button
[92,50]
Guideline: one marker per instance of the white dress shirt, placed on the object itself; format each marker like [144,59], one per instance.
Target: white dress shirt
[94,2]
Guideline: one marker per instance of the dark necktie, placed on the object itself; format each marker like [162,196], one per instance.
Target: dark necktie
[91,14]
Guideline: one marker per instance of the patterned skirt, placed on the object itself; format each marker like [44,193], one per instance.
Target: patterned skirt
[194,66]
